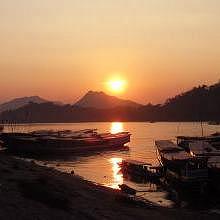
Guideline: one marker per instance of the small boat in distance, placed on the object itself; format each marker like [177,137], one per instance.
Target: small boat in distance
[65,141]
[152,122]
[214,122]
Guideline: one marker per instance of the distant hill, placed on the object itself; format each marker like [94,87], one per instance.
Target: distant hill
[100,100]
[201,103]
[50,112]
[19,102]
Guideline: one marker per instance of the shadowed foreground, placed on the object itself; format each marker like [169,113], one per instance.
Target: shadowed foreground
[28,191]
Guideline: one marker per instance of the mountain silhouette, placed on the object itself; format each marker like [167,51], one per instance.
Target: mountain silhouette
[101,100]
[20,102]
[198,104]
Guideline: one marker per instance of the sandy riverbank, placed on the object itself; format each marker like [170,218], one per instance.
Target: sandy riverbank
[29,191]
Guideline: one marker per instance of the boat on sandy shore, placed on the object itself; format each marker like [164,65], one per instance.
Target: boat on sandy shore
[140,170]
[180,166]
[59,142]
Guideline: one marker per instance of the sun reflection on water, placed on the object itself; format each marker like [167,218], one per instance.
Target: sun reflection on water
[117,127]
[117,177]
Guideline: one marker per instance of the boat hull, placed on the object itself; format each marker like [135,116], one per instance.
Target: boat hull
[38,146]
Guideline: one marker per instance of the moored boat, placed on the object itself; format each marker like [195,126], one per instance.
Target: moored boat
[140,170]
[204,149]
[214,122]
[58,142]
[180,166]
[213,139]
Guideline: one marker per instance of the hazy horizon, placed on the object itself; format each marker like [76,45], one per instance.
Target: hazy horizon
[115,95]
[59,50]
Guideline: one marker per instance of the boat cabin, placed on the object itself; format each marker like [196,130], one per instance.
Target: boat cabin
[179,164]
[167,146]
[213,139]
[202,149]
[139,168]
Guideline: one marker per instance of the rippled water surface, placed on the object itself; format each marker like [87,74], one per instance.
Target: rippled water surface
[103,168]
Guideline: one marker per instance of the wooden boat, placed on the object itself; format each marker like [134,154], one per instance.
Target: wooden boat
[139,169]
[213,139]
[180,166]
[58,142]
[126,189]
[65,133]
[152,121]
[214,122]
[203,149]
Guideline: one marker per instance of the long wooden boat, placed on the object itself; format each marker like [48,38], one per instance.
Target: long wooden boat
[214,122]
[140,170]
[179,165]
[213,139]
[51,142]
[204,149]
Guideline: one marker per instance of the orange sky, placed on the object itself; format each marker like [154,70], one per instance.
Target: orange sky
[61,49]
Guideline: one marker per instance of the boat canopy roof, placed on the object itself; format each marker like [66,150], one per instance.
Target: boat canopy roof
[178,156]
[202,148]
[167,146]
[136,162]
[193,138]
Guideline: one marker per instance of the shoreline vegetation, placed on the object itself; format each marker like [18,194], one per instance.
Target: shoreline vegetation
[31,191]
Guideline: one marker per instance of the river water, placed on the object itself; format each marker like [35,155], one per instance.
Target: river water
[103,168]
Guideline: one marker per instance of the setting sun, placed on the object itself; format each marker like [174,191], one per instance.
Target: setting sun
[116,85]
[116,127]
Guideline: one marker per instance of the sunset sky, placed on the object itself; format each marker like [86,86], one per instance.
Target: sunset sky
[60,49]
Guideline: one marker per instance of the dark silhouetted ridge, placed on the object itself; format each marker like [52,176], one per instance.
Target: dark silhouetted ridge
[198,104]
[101,100]
[19,102]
